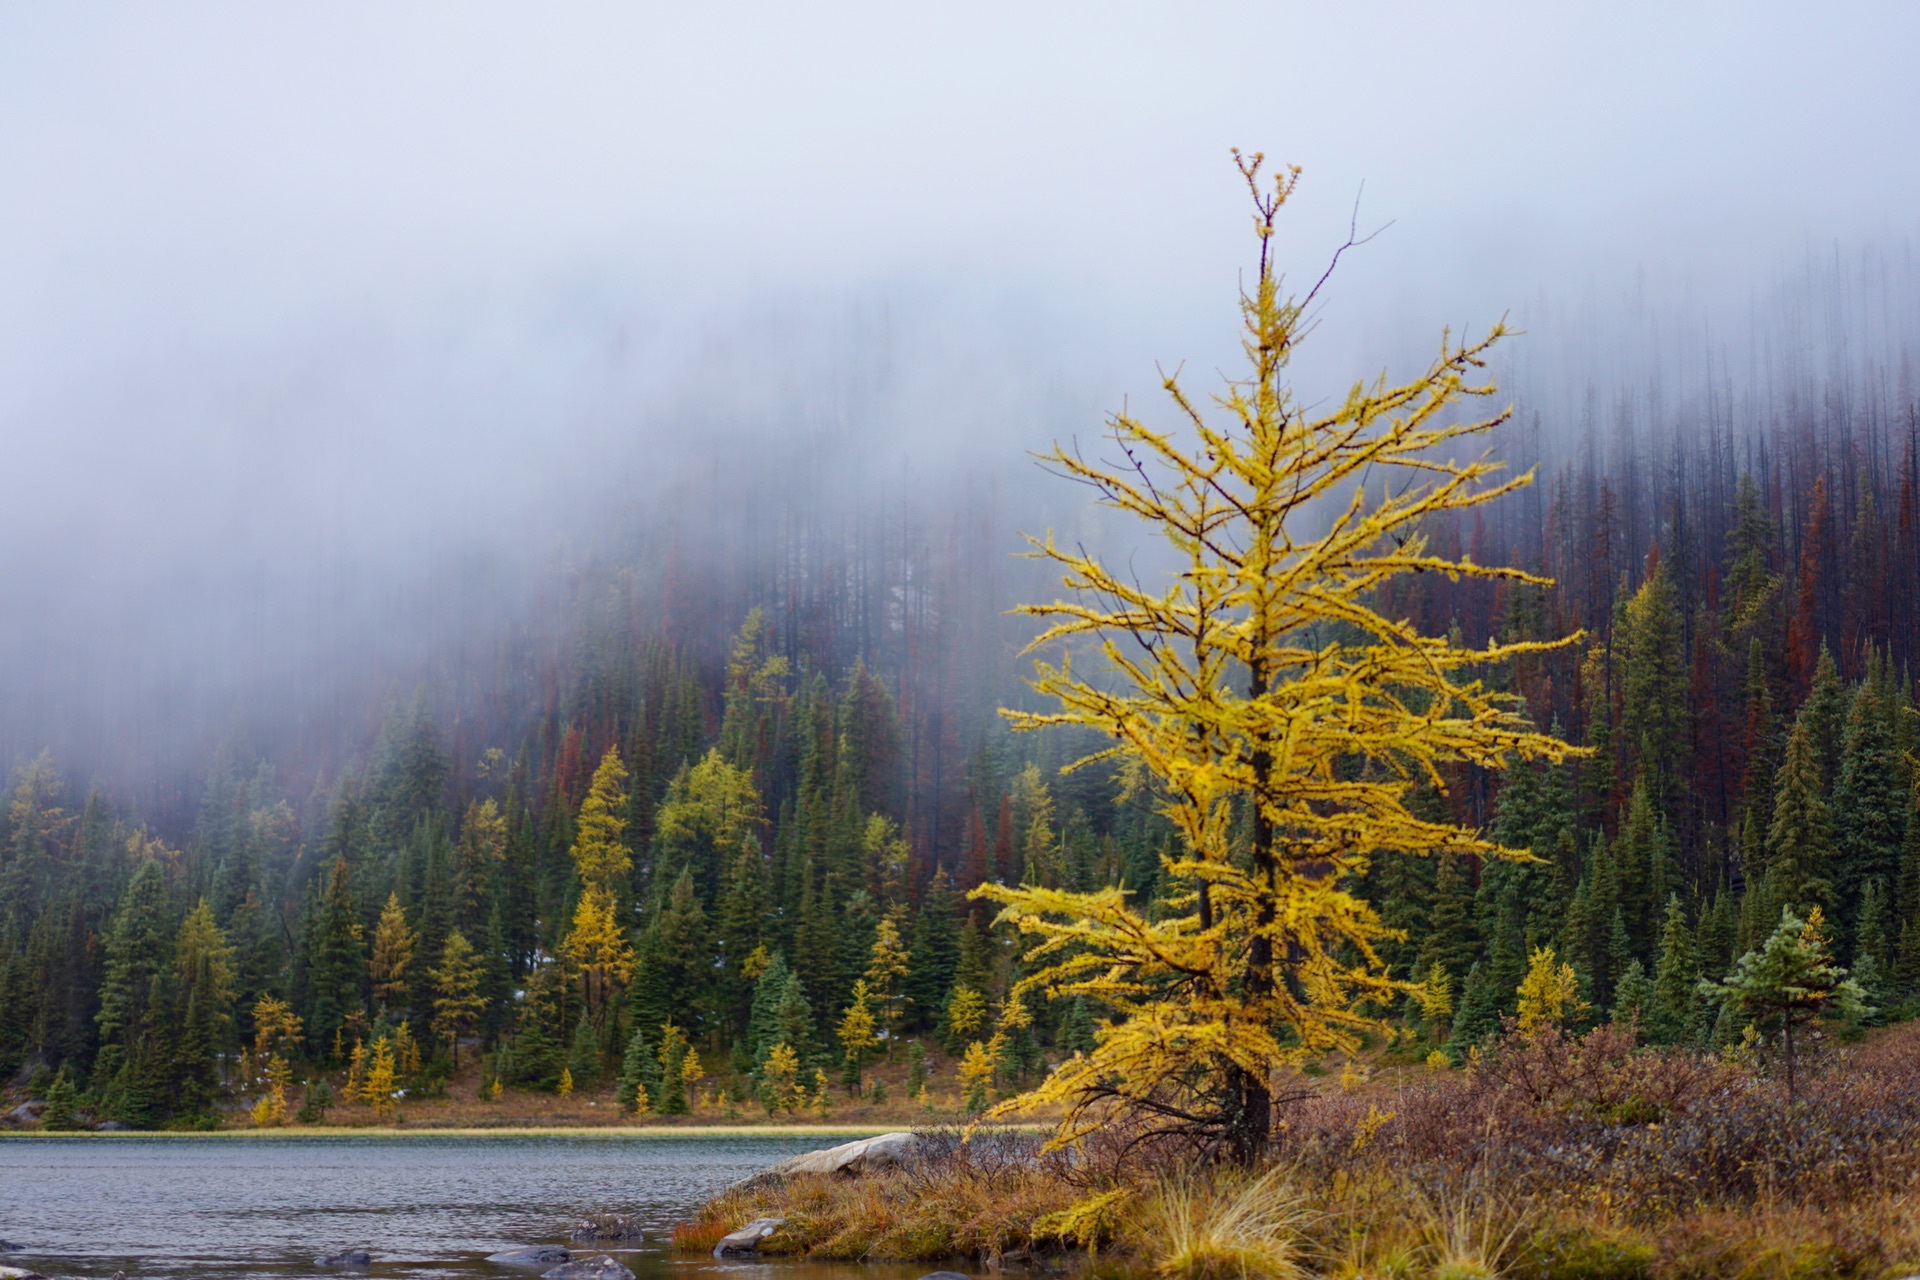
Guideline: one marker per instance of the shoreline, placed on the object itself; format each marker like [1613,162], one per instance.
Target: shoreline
[503,1131]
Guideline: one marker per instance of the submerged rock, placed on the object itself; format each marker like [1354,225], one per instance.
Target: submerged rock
[945,1275]
[600,1267]
[609,1226]
[849,1158]
[345,1258]
[747,1238]
[541,1254]
[8,1246]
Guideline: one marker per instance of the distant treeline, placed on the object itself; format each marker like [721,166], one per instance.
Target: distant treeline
[715,794]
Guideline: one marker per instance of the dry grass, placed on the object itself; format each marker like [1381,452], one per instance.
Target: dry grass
[1566,1159]
[1221,1226]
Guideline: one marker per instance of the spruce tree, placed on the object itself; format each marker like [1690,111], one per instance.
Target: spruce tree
[1870,803]
[1672,1013]
[1654,701]
[336,960]
[1452,941]
[1800,842]
[139,959]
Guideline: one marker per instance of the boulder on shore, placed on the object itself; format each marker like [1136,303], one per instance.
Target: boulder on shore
[747,1238]
[345,1258]
[544,1255]
[28,1111]
[113,1126]
[850,1159]
[19,1273]
[600,1267]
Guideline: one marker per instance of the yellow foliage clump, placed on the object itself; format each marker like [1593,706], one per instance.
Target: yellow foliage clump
[1277,708]
[1549,994]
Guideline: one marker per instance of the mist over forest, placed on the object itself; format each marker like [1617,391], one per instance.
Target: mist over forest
[403,416]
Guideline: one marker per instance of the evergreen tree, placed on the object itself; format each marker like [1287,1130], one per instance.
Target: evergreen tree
[457,1001]
[1672,1013]
[336,959]
[1788,983]
[139,960]
[1452,941]
[1654,680]
[934,956]
[1870,801]
[1800,843]
[1632,998]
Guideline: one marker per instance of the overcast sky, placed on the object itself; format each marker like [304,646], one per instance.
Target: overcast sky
[282,287]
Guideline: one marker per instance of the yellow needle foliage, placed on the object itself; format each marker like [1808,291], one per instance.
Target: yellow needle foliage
[1549,994]
[597,944]
[1281,718]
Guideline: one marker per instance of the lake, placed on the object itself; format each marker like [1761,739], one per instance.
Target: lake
[426,1207]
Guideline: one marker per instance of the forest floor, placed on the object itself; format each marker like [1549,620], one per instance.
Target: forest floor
[467,1105]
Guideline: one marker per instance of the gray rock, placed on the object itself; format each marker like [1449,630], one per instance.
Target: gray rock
[544,1255]
[113,1126]
[19,1273]
[747,1238]
[849,1158]
[27,1112]
[945,1275]
[609,1226]
[345,1258]
[600,1267]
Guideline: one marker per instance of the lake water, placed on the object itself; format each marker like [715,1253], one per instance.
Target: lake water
[427,1208]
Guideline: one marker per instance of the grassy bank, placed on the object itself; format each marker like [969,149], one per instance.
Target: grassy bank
[1564,1159]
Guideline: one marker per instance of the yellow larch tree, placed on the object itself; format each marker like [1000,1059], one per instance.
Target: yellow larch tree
[1549,994]
[392,956]
[378,1088]
[457,1001]
[597,945]
[1281,718]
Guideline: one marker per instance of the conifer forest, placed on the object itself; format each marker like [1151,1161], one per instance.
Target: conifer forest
[707,804]
[1251,641]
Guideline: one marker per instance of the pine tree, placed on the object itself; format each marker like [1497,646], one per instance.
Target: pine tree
[1788,983]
